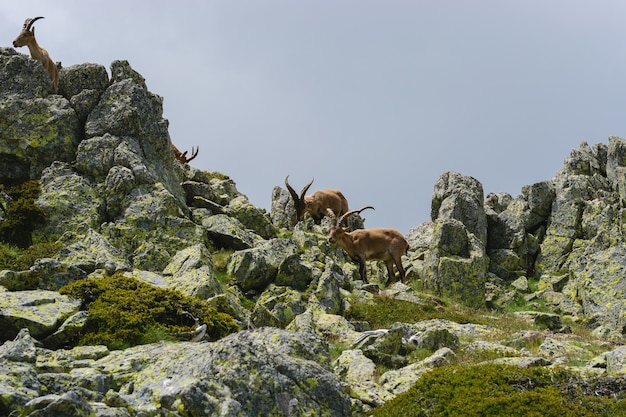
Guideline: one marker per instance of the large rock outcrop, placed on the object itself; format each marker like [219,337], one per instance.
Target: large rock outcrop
[117,201]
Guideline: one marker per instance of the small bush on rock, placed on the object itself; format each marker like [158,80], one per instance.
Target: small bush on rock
[125,312]
[21,216]
[498,391]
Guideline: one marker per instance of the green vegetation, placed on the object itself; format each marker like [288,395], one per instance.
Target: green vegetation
[125,312]
[220,262]
[21,259]
[385,311]
[21,215]
[499,390]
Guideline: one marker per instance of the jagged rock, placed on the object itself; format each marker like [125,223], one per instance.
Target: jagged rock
[460,198]
[191,272]
[39,311]
[277,307]
[252,217]
[22,75]
[283,213]
[70,201]
[90,252]
[616,361]
[96,156]
[328,291]
[359,372]
[45,274]
[228,232]
[261,372]
[457,264]
[36,129]
[254,269]
[329,326]
[400,380]
[68,332]
[387,348]
[75,79]
[296,272]
[434,339]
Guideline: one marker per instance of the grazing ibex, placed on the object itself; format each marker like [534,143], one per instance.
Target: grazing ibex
[370,244]
[317,203]
[182,156]
[27,38]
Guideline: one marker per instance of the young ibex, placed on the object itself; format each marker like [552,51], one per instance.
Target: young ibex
[182,156]
[370,244]
[27,38]
[317,203]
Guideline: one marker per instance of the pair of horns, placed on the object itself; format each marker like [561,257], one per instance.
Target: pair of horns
[341,219]
[28,23]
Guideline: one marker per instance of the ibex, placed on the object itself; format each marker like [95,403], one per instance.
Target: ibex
[27,38]
[182,156]
[379,244]
[317,203]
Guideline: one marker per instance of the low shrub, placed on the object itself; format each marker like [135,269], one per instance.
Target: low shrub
[21,215]
[498,391]
[125,312]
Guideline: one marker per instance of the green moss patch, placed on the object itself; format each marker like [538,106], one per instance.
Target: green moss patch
[125,312]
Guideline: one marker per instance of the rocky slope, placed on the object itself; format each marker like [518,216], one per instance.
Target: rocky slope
[118,201]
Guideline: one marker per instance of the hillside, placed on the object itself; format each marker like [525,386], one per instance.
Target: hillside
[134,284]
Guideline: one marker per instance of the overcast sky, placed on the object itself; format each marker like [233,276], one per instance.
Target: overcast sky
[375,98]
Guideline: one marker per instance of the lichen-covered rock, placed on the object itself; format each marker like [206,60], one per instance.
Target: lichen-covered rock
[191,272]
[460,198]
[92,251]
[19,74]
[277,307]
[254,269]
[76,78]
[296,272]
[70,201]
[261,372]
[457,264]
[39,311]
[616,361]
[34,132]
[283,212]
[228,232]
[359,373]
[252,217]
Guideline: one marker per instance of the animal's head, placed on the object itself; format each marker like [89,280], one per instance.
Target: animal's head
[336,232]
[27,34]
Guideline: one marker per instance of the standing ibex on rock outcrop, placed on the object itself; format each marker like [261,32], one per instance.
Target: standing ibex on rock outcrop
[27,38]
[317,203]
[379,244]
[182,156]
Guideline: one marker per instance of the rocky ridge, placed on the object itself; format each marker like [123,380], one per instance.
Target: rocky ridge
[117,199]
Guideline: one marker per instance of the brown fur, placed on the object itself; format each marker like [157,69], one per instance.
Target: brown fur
[317,203]
[182,156]
[27,38]
[380,244]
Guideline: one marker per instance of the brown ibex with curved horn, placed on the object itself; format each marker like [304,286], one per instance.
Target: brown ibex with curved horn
[27,38]
[182,156]
[317,203]
[378,244]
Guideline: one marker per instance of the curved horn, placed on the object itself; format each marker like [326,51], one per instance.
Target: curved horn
[305,189]
[28,23]
[298,201]
[353,212]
